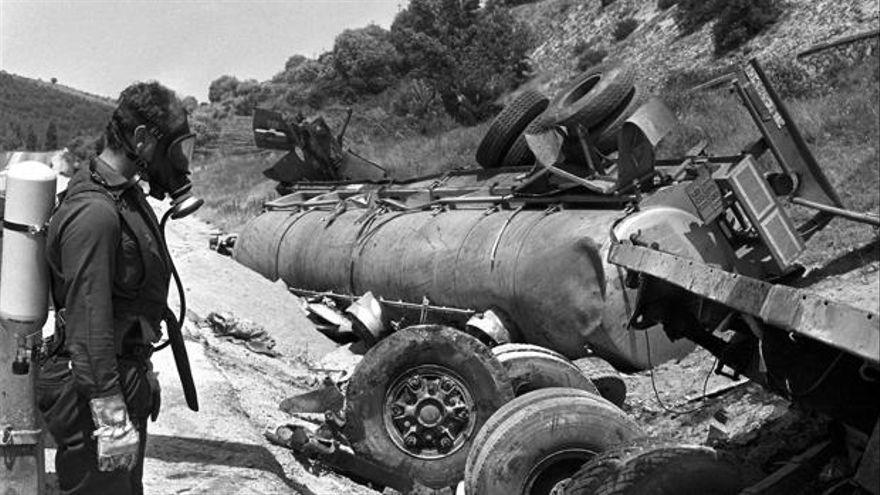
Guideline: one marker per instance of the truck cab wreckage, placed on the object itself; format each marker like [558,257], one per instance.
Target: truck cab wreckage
[477,291]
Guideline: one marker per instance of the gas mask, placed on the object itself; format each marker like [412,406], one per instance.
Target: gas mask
[168,171]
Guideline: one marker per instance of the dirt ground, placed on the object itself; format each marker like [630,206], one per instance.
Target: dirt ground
[221,449]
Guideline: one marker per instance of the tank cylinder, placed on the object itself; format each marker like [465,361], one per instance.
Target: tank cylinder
[545,271]
[24,286]
[24,296]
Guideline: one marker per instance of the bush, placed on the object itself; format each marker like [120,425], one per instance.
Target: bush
[222,88]
[469,55]
[665,4]
[606,3]
[624,28]
[740,21]
[590,57]
[365,59]
[692,14]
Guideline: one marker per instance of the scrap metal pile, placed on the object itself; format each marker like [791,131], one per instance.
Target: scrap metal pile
[495,301]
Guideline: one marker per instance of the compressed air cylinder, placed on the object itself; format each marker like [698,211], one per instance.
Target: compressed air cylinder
[24,296]
[24,286]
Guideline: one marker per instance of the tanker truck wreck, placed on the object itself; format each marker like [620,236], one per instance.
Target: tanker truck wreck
[476,286]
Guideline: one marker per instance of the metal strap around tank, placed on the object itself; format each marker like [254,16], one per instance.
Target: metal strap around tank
[366,231]
[301,214]
[838,325]
[33,230]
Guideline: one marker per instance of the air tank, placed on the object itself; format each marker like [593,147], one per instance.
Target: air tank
[24,299]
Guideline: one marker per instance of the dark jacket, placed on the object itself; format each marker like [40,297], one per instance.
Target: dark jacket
[109,272]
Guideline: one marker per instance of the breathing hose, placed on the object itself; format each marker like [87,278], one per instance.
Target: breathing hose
[180,294]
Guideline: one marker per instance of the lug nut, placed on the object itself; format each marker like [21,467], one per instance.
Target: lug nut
[414,382]
[446,384]
[410,441]
[396,410]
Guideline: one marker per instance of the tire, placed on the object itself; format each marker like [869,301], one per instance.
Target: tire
[507,125]
[532,367]
[434,356]
[519,153]
[658,469]
[592,97]
[604,135]
[542,438]
[606,379]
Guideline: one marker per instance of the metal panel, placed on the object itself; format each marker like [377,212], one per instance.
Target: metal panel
[765,213]
[839,325]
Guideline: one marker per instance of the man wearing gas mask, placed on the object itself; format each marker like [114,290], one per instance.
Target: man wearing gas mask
[110,271]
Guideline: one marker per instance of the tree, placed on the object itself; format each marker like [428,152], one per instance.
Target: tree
[190,103]
[31,142]
[222,88]
[54,80]
[740,21]
[470,55]
[366,59]
[51,141]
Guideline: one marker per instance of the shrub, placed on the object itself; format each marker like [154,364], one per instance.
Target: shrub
[740,21]
[624,28]
[469,55]
[606,3]
[692,14]
[590,57]
[665,4]
[222,88]
[366,59]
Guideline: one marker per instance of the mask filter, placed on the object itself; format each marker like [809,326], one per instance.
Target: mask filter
[183,203]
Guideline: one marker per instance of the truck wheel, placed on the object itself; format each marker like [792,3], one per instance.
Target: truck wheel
[537,441]
[659,469]
[508,125]
[418,398]
[606,379]
[592,97]
[604,135]
[519,153]
[532,367]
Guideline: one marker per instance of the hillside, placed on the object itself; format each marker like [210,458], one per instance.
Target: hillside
[27,104]
[660,48]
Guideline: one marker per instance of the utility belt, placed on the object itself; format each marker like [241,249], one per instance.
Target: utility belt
[53,345]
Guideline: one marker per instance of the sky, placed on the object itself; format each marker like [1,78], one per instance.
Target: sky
[101,46]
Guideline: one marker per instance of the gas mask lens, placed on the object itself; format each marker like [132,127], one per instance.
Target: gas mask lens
[180,152]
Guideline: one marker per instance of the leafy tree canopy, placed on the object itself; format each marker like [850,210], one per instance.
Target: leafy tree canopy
[470,55]
[366,59]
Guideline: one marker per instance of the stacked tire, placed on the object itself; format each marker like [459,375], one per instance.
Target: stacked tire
[597,102]
[660,468]
[508,126]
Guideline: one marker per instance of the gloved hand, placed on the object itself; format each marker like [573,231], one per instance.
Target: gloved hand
[156,391]
[117,437]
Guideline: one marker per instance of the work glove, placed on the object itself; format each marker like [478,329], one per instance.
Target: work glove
[116,436]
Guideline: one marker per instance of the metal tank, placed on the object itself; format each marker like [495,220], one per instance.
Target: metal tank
[545,270]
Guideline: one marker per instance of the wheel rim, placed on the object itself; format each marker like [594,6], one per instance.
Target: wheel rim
[429,412]
[547,477]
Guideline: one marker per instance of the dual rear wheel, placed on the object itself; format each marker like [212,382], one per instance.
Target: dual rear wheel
[436,405]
